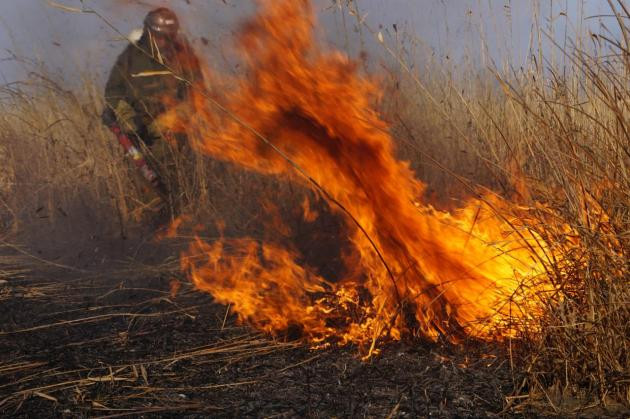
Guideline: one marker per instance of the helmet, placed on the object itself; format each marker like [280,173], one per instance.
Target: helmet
[162,21]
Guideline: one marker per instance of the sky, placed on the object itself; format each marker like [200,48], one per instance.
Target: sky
[72,44]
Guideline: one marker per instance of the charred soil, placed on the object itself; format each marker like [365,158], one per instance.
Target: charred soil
[130,341]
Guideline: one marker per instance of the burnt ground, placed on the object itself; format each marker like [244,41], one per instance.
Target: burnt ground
[101,334]
[126,347]
[113,345]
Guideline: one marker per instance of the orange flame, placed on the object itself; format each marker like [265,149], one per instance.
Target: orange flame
[416,269]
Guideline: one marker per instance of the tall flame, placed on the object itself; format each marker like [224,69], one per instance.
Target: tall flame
[415,270]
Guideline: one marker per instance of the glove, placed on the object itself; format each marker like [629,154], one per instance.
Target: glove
[152,133]
[134,124]
[127,118]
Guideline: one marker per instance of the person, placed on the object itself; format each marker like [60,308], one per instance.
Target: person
[150,77]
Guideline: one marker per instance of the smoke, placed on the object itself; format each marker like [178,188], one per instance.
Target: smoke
[450,31]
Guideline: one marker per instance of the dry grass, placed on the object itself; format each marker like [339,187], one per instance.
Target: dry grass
[561,138]
[114,328]
[557,139]
[57,151]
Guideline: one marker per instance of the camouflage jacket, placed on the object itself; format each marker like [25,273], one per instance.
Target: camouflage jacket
[145,82]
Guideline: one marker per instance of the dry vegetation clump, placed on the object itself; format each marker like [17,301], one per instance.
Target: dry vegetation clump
[557,139]
[573,148]
[575,154]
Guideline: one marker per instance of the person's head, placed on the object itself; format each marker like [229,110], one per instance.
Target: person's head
[162,25]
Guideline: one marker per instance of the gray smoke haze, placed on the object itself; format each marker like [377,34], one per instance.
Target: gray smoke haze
[73,44]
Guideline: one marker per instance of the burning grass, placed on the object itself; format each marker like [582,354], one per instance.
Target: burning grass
[475,271]
[534,253]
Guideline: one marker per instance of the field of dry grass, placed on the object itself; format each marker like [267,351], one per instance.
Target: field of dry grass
[553,139]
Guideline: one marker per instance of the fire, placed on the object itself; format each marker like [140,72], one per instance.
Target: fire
[476,271]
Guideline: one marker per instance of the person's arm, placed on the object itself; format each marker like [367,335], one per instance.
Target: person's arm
[118,97]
